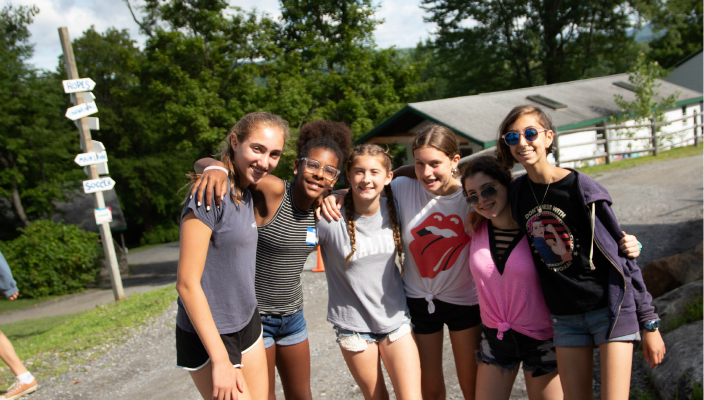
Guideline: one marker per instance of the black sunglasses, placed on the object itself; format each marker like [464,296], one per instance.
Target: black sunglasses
[511,138]
[488,192]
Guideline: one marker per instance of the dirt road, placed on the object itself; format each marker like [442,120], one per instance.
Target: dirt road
[661,203]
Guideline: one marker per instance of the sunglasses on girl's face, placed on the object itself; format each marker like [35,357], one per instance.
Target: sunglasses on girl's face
[511,138]
[487,193]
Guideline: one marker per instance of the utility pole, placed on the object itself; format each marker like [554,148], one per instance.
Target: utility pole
[99,201]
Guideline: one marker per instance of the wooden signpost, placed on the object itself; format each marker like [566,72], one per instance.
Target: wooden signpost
[81,89]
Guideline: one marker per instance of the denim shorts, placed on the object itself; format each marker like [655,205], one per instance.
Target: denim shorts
[357,341]
[284,330]
[538,356]
[587,329]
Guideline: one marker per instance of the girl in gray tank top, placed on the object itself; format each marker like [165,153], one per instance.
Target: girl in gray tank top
[284,215]
[366,300]
[216,329]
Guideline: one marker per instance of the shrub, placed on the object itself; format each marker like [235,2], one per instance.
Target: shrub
[161,234]
[51,258]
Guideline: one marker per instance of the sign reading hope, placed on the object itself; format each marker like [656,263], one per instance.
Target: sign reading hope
[78,85]
[98,185]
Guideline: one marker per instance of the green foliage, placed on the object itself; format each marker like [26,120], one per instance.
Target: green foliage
[679,27]
[693,312]
[161,234]
[36,162]
[647,106]
[50,258]
[486,46]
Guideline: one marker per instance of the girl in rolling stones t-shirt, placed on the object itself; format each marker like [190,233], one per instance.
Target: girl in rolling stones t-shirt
[438,284]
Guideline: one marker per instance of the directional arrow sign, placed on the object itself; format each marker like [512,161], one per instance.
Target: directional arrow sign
[78,85]
[81,111]
[98,185]
[93,124]
[91,158]
[86,96]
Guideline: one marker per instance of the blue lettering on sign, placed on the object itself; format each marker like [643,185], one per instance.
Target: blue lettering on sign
[76,85]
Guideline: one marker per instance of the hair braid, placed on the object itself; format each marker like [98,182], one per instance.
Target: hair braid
[351,224]
[393,220]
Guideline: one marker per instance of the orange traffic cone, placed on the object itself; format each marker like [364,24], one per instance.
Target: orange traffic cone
[320,267]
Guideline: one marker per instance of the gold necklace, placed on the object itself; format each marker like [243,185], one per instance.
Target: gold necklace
[540,205]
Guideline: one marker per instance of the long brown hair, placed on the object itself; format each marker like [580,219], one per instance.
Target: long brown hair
[440,138]
[241,130]
[503,151]
[383,156]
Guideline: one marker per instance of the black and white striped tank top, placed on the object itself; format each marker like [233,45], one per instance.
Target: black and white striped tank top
[281,252]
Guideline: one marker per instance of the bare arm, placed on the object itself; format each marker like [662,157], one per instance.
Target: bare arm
[195,236]
[409,171]
[214,178]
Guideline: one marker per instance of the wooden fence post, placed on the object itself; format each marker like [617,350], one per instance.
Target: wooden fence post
[654,135]
[556,148]
[697,130]
[605,133]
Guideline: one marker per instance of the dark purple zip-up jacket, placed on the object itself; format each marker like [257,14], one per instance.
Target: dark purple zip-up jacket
[629,300]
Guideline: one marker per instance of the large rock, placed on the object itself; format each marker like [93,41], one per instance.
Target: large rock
[669,273]
[682,365]
[674,303]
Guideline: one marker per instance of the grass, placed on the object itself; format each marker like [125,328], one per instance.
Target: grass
[50,346]
[7,305]
[626,163]
[693,312]
[145,247]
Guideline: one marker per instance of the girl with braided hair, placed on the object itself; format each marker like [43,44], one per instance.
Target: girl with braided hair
[363,255]
[285,221]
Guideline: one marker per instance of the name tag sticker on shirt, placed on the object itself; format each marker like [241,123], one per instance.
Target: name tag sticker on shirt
[311,236]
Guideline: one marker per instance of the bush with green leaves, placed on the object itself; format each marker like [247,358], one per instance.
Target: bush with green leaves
[51,258]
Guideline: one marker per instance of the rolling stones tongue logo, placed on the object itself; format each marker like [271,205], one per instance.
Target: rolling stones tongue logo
[437,242]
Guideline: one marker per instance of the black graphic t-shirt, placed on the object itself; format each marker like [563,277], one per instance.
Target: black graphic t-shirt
[559,233]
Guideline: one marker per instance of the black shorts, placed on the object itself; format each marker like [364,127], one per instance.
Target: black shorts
[538,356]
[191,354]
[457,318]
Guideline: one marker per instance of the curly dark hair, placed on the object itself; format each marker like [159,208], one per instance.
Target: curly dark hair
[326,134]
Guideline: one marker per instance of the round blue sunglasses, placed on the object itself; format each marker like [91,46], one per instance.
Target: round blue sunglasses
[511,138]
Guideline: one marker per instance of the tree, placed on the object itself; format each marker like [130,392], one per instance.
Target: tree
[36,164]
[678,25]
[348,78]
[647,105]
[506,44]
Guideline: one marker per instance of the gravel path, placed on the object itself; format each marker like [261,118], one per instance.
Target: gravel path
[661,203]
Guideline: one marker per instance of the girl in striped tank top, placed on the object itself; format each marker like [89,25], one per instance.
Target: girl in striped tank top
[284,214]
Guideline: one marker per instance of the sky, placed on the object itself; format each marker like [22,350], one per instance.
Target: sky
[403,26]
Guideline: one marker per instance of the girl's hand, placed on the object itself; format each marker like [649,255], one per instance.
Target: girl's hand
[473,222]
[653,348]
[210,179]
[226,381]
[331,207]
[629,246]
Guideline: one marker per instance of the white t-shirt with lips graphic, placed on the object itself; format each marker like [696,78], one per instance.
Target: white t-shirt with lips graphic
[435,243]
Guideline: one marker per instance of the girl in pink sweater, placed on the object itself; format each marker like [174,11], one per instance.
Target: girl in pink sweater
[516,325]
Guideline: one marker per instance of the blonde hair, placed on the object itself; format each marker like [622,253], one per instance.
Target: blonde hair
[440,138]
[383,156]
[241,130]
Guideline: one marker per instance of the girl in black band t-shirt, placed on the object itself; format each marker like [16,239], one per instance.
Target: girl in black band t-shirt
[595,294]
[218,327]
